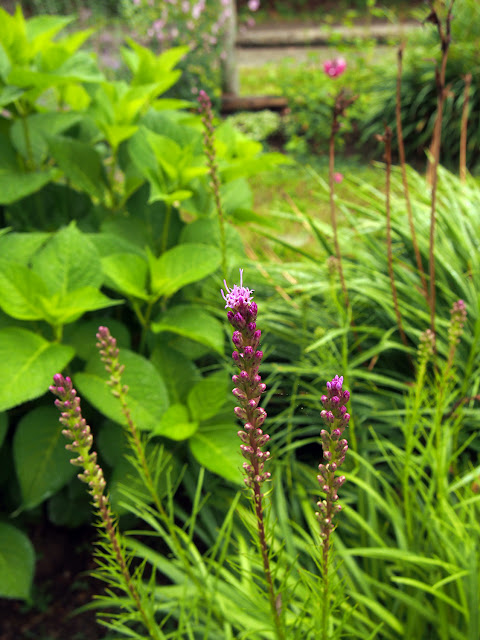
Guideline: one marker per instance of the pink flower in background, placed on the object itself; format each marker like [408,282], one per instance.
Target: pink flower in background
[337,177]
[253,5]
[250,22]
[136,2]
[335,67]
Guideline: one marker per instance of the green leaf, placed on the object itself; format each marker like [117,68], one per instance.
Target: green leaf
[68,261]
[81,335]
[17,561]
[182,265]
[20,247]
[20,289]
[208,396]
[41,462]
[63,308]
[27,364]
[176,423]
[216,447]
[15,185]
[9,94]
[194,323]
[178,371]
[3,427]
[127,273]
[81,164]
[39,126]
[147,395]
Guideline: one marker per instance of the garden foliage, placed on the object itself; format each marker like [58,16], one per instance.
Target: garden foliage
[109,218]
[107,213]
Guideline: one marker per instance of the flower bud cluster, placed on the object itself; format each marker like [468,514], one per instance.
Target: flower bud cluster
[458,318]
[249,387]
[109,352]
[336,418]
[77,430]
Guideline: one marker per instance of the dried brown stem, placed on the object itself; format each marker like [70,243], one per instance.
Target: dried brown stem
[387,139]
[463,128]
[401,152]
[444,32]
[342,101]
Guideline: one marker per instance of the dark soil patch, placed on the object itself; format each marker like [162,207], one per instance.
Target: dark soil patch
[62,585]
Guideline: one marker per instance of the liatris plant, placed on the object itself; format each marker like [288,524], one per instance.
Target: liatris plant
[78,431]
[249,387]
[335,447]
[209,146]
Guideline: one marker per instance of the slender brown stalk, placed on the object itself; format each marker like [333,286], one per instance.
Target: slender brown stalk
[342,101]
[401,153]
[463,128]
[444,32]
[387,139]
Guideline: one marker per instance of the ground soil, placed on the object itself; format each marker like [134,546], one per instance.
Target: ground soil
[62,585]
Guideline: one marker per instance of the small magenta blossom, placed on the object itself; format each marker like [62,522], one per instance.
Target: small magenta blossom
[253,5]
[335,67]
[249,387]
[338,177]
[335,447]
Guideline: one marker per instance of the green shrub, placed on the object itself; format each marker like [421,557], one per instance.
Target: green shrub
[107,215]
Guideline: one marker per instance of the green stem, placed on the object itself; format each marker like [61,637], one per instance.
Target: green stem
[166,226]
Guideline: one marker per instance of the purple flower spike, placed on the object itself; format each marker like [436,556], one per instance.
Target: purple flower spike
[249,387]
[335,417]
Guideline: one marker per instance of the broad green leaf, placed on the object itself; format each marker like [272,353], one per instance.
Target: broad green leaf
[81,335]
[3,426]
[9,94]
[176,423]
[178,371]
[81,164]
[70,507]
[15,185]
[112,442]
[38,126]
[68,261]
[80,67]
[42,463]
[27,364]
[63,308]
[208,396]
[17,562]
[20,247]
[147,395]
[20,290]
[194,323]
[127,273]
[216,447]
[182,265]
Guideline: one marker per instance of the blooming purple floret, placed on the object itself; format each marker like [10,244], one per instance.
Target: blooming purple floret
[336,418]
[248,383]
[238,296]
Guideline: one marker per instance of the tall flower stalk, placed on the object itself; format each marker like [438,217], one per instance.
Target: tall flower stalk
[342,101]
[334,447]
[78,431]
[209,146]
[248,390]
[387,139]
[401,153]
[444,32]
[463,128]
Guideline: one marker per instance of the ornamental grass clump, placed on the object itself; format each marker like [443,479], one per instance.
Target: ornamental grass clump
[236,591]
